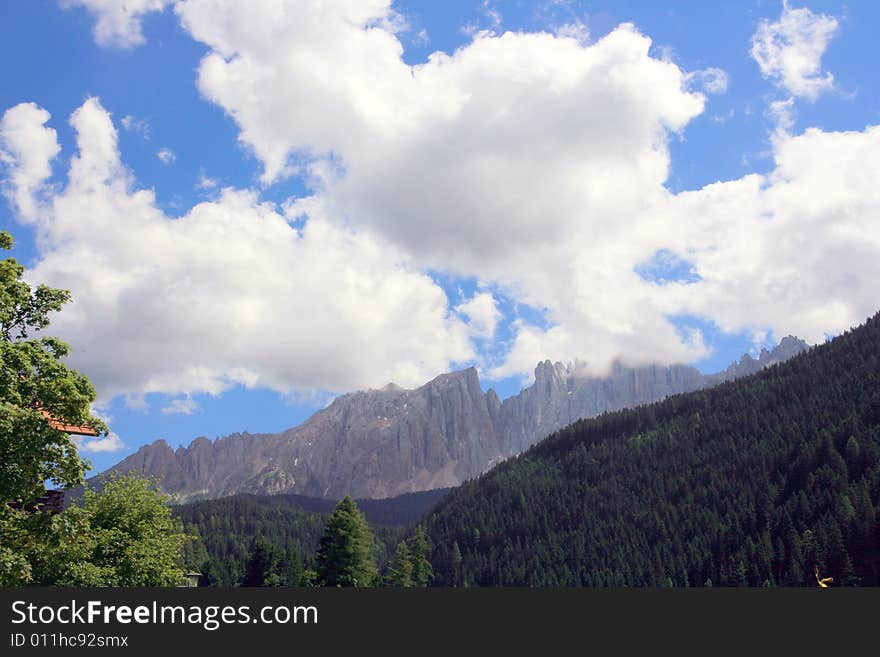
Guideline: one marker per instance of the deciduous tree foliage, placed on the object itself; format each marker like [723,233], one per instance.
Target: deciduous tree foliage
[135,536]
[757,482]
[122,536]
[32,377]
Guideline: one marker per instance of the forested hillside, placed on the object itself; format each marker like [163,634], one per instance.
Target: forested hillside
[283,530]
[761,481]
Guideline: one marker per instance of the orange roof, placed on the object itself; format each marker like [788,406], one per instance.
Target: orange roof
[80,430]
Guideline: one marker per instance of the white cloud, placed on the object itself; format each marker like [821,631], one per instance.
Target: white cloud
[534,163]
[796,251]
[421,38]
[537,164]
[789,51]
[518,159]
[109,443]
[710,80]
[482,313]
[138,126]
[118,22]
[27,149]
[205,182]
[181,405]
[229,293]
[166,156]
[577,30]
[781,113]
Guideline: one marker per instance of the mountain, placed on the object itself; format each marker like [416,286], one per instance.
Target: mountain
[771,479]
[378,443]
[382,443]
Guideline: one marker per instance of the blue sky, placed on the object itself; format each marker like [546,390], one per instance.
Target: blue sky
[391,171]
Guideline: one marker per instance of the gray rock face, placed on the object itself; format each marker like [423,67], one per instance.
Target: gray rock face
[560,397]
[378,443]
[382,443]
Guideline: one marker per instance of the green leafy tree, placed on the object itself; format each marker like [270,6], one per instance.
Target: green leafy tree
[15,543]
[400,570]
[420,548]
[123,535]
[33,380]
[345,555]
[136,538]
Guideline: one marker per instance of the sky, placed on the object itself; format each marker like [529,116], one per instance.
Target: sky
[258,206]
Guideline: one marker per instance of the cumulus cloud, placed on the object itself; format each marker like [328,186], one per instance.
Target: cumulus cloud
[781,114]
[27,149]
[538,164]
[118,22]
[533,162]
[518,159]
[789,51]
[710,80]
[109,443]
[228,294]
[166,156]
[182,406]
[482,313]
[796,251]
[577,30]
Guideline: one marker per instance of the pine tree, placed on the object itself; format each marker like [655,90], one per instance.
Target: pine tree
[400,572]
[422,572]
[260,567]
[345,556]
[456,560]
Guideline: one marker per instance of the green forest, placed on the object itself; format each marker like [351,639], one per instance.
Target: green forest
[771,480]
[279,536]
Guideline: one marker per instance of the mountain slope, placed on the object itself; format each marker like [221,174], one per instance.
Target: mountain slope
[382,443]
[758,481]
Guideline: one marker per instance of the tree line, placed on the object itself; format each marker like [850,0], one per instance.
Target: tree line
[247,540]
[771,480]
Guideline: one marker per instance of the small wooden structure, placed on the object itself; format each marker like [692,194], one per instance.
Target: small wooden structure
[51,502]
[191,579]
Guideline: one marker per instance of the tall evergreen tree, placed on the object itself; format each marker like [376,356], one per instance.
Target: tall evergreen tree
[455,560]
[400,570]
[420,548]
[260,567]
[345,556]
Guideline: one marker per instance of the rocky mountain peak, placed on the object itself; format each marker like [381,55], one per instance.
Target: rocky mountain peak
[381,443]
